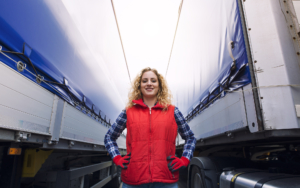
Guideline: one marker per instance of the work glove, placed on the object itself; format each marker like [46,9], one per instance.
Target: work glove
[122,161]
[177,163]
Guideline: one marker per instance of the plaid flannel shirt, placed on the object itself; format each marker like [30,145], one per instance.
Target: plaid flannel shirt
[117,128]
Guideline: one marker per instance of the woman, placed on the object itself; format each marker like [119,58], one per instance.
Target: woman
[152,124]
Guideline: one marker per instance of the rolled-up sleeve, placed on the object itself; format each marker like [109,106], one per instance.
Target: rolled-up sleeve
[186,133]
[113,133]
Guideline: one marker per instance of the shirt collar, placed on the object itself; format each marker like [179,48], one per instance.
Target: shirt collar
[141,103]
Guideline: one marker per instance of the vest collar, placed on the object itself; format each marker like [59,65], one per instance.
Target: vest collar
[141,103]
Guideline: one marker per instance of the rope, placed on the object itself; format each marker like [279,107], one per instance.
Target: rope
[8,57]
[112,3]
[291,85]
[179,13]
[35,75]
[206,105]
[18,53]
[44,81]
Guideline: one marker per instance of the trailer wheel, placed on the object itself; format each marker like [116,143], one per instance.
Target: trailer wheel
[196,178]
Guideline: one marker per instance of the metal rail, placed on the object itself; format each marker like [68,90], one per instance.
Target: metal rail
[72,177]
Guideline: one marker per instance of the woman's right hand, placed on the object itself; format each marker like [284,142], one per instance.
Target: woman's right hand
[121,161]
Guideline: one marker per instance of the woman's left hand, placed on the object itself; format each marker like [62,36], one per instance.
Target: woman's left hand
[177,163]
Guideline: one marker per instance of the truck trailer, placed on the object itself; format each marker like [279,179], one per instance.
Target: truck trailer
[248,137]
[235,77]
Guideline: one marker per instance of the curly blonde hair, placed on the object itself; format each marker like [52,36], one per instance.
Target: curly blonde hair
[164,96]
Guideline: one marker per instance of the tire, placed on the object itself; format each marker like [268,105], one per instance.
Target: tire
[197,180]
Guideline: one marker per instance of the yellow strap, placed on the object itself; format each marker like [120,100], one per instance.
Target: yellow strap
[233,178]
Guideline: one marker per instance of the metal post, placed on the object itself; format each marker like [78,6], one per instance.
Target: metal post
[81,182]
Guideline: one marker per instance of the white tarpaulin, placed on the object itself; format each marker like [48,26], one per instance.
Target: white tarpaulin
[79,40]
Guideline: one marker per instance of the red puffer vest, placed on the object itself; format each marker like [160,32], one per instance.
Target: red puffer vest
[151,136]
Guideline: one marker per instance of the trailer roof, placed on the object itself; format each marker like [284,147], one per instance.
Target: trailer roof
[79,40]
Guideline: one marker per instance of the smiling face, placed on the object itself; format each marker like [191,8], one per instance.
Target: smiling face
[149,84]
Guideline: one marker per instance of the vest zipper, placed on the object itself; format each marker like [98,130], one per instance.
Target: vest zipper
[150,148]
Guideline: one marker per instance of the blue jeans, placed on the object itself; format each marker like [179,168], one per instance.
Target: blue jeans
[152,185]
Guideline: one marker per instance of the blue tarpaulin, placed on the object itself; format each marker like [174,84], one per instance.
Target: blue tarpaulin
[201,63]
[31,24]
